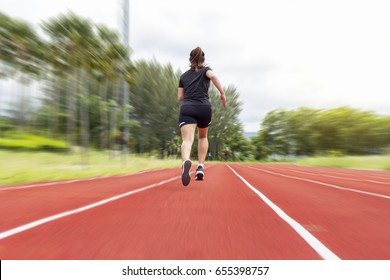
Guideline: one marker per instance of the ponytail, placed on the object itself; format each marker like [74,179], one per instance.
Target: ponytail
[196,59]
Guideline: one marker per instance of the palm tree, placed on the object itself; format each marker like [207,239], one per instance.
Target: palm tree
[72,41]
[111,60]
[21,50]
[87,53]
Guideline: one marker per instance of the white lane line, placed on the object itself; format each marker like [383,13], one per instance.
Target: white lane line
[337,177]
[352,171]
[45,184]
[320,248]
[39,222]
[324,184]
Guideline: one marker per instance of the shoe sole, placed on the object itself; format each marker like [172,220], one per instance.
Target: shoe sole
[199,176]
[185,176]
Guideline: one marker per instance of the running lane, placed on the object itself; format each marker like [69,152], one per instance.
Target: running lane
[21,204]
[347,210]
[219,218]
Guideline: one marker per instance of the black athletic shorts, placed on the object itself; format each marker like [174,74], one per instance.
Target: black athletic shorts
[199,114]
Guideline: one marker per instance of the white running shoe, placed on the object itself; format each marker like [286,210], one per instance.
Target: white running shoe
[199,175]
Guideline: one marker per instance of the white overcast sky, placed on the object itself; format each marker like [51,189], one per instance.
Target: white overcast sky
[278,53]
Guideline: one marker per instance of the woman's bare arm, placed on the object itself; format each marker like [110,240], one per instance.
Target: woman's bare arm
[210,74]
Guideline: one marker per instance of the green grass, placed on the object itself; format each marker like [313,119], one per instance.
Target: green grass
[24,167]
[377,162]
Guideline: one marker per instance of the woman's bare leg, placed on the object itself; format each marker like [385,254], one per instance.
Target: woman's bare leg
[203,144]
[187,134]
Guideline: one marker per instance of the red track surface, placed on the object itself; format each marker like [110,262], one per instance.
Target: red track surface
[242,212]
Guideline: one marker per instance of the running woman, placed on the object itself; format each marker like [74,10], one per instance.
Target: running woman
[195,111]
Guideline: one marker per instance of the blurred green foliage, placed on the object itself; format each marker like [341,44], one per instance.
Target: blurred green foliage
[334,132]
[82,68]
[25,142]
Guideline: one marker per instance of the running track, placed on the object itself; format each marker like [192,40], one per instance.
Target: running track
[277,212]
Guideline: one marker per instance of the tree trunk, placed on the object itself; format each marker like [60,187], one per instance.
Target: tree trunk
[71,108]
[84,117]
[103,114]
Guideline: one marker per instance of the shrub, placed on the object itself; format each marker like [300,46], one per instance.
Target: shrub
[33,143]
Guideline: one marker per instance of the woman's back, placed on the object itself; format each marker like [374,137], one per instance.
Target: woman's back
[196,86]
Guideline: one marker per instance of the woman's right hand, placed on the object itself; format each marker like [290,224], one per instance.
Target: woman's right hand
[223,100]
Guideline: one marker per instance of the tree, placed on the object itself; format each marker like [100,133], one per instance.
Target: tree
[89,55]
[301,132]
[306,131]
[225,126]
[21,50]
[154,98]
[274,133]
[111,61]
[71,43]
